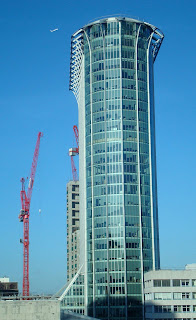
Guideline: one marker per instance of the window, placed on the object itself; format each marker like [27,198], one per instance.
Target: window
[162,296]
[176,283]
[177,295]
[194,308]
[161,283]
[185,283]
[185,295]
[194,283]
[185,308]
[165,283]
[158,296]
[166,308]
[194,295]
[177,308]
[158,309]
[148,296]
[75,204]
[162,309]
[157,283]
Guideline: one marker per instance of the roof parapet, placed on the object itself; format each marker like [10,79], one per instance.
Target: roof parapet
[77,48]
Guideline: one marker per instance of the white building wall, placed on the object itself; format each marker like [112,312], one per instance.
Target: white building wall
[180,301]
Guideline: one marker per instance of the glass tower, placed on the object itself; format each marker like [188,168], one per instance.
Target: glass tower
[111,75]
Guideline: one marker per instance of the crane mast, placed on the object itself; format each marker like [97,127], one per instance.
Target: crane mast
[73,152]
[24,216]
[74,171]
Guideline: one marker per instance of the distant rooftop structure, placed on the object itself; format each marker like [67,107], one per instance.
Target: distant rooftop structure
[4,279]
[191,266]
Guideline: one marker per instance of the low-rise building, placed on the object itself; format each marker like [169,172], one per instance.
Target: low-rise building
[8,288]
[170,294]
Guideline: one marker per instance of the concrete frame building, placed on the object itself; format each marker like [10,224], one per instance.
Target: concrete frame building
[73,223]
[170,294]
[112,78]
[42,309]
[8,288]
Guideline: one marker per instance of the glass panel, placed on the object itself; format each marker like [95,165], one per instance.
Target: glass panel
[176,283]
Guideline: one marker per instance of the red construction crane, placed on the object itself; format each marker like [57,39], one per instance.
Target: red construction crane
[73,152]
[24,217]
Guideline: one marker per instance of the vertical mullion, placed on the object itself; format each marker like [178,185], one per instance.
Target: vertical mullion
[123,191]
[138,154]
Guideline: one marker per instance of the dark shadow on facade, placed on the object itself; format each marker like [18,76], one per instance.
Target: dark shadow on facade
[135,310]
[67,315]
[114,308]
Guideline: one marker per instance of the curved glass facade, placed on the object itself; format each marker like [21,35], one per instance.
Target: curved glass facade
[112,78]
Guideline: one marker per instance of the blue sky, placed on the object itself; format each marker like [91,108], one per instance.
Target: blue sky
[34,96]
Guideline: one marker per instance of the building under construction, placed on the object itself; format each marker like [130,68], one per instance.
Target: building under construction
[73,221]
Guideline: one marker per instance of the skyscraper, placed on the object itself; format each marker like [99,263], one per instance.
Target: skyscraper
[111,75]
